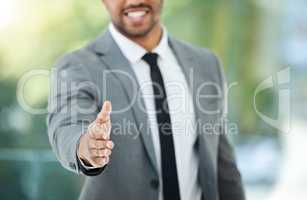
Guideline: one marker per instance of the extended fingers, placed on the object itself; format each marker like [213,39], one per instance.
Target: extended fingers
[100,131]
[100,153]
[101,144]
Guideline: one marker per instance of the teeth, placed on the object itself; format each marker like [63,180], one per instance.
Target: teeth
[137,14]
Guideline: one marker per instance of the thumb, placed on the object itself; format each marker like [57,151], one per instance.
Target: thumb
[104,114]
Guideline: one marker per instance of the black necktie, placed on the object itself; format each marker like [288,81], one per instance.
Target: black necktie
[168,160]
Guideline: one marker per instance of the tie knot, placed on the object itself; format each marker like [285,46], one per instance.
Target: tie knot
[151,59]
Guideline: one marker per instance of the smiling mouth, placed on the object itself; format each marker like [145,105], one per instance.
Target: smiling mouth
[136,12]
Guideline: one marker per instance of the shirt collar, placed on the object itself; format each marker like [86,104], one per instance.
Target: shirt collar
[134,52]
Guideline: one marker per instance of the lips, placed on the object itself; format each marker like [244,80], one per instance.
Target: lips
[137,16]
[137,12]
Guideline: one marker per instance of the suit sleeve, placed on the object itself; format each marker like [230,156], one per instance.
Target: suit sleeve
[229,179]
[72,107]
[230,185]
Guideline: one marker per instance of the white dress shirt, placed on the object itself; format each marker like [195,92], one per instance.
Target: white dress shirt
[180,106]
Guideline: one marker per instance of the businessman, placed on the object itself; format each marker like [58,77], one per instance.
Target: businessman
[140,114]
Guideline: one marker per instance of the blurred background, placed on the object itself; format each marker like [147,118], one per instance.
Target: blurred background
[263,46]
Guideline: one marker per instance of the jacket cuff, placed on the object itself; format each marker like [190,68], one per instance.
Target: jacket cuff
[89,171]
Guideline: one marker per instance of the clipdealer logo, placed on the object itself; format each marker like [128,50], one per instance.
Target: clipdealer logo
[280,82]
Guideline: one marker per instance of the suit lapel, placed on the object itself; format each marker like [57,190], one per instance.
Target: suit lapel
[189,67]
[113,58]
[206,143]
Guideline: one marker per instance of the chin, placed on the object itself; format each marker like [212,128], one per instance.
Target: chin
[136,31]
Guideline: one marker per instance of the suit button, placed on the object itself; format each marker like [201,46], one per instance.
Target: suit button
[154,183]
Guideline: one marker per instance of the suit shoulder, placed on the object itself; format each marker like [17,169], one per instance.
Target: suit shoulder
[200,52]
[204,58]
[74,58]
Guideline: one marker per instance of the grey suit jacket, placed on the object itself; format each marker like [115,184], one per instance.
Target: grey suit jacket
[83,79]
